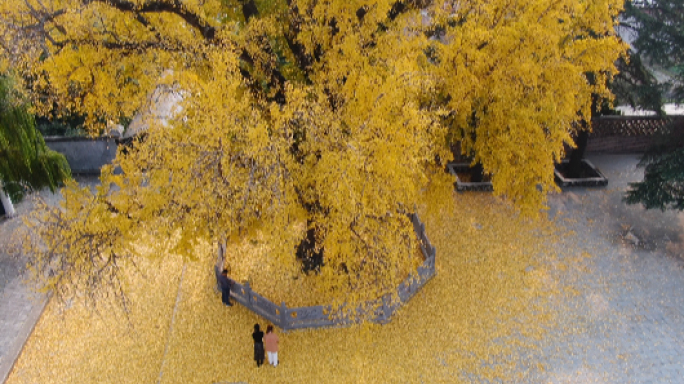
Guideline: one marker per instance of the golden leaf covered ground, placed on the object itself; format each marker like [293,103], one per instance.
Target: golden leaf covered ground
[482,314]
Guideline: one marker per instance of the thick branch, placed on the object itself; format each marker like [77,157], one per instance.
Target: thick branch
[175,7]
[304,60]
[122,45]
[249,9]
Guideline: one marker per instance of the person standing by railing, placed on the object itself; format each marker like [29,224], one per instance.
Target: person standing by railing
[225,284]
[271,343]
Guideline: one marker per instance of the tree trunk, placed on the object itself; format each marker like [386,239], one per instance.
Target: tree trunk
[575,163]
[476,173]
[311,260]
[7,203]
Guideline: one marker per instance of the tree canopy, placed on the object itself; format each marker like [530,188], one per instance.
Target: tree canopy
[659,40]
[658,28]
[334,113]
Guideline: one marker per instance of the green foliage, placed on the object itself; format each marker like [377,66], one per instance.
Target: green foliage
[660,37]
[660,42]
[68,127]
[636,86]
[25,160]
[663,184]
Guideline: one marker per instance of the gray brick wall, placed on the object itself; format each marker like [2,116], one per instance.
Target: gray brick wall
[85,155]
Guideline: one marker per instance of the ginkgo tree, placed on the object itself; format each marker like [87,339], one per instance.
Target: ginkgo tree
[329,113]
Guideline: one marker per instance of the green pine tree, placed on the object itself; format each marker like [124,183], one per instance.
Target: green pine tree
[663,184]
[25,161]
[660,43]
[660,38]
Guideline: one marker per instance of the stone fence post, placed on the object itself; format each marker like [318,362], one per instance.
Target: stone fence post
[248,292]
[386,310]
[218,267]
[284,324]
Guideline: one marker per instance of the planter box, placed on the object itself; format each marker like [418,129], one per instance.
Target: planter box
[596,179]
[455,168]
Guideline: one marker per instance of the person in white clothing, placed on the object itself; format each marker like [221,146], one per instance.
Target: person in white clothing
[271,346]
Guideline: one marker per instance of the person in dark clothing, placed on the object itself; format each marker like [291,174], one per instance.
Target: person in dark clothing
[225,283]
[258,337]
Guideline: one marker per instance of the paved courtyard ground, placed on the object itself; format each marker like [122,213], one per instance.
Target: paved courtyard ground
[20,307]
[621,322]
[627,322]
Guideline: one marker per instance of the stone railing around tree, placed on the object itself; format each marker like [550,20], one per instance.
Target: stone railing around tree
[317,316]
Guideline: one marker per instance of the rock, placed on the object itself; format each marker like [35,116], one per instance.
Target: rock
[114,130]
[574,198]
[632,238]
